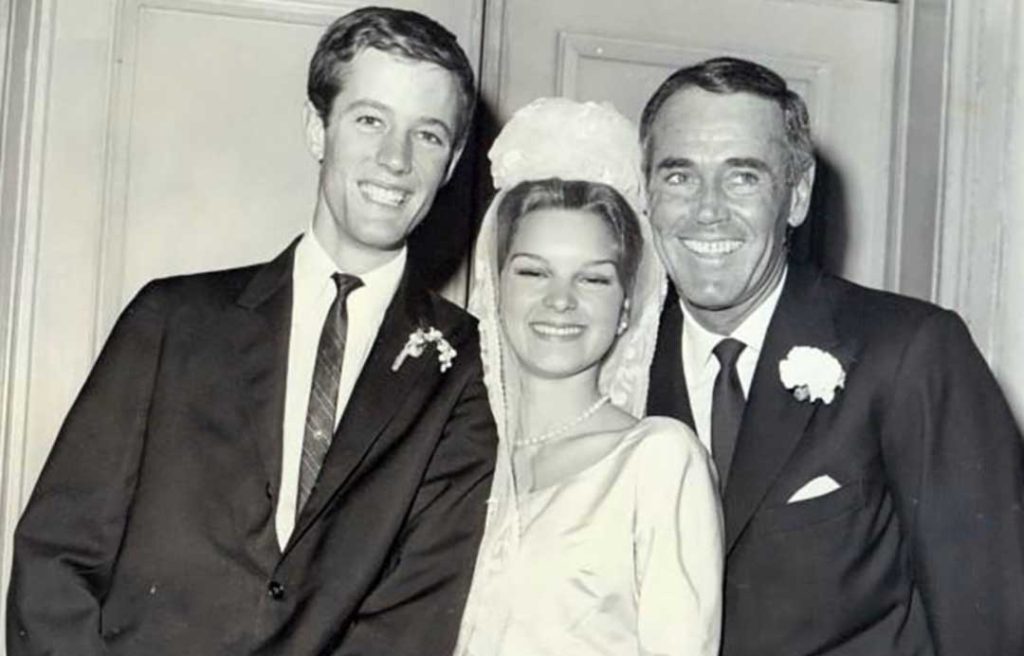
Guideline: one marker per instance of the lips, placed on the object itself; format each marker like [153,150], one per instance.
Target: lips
[384,194]
[557,330]
[711,247]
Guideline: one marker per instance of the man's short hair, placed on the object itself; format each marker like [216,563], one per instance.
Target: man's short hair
[397,31]
[725,75]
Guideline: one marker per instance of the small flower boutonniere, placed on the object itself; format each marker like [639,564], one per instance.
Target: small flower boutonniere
[417,343]
[812,374]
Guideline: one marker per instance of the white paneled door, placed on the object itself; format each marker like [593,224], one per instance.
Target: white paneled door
[839,54]
[156,137]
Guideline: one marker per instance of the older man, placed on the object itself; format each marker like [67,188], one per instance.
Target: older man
[872,476]
[258,463]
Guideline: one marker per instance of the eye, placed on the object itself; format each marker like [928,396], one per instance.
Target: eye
[744,180]
[526,271]
[596,279]
[681,180]
[431,137]
[369,121]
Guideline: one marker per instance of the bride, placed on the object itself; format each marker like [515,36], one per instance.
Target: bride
[603,532]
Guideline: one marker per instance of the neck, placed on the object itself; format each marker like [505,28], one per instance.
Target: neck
[548,403]
[347,256]
[723,321]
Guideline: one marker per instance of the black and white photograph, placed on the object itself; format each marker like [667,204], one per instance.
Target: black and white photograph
[511,328]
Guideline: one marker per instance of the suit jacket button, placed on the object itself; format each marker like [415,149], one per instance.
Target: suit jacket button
[275,590]
[270,491]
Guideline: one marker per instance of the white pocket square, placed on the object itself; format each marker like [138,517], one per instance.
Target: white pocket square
[818,487]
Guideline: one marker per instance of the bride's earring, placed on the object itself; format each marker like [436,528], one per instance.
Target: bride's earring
[623,318]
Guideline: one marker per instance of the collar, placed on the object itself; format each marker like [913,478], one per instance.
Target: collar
[314,266]
[699,342]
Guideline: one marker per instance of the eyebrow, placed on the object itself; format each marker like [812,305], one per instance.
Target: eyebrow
[674,163]
[541,258]
[381,107]
[749,163]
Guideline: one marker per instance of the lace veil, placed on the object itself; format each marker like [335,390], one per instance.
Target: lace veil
[556,137]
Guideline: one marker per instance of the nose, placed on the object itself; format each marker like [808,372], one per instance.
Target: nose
[710,208]
[395,153]
[560,297]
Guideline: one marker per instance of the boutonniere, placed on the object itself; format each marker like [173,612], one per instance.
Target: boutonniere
[811,373]
[417,343]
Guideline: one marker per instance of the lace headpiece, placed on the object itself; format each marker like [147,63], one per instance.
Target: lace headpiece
[562,138]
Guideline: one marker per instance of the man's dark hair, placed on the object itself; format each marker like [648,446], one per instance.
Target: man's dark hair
[725,75]
[405,33]
[597,198]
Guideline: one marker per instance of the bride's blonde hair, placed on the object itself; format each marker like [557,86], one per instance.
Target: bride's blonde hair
[596,198]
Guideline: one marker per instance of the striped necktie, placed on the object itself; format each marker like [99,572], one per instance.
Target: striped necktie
[323,394]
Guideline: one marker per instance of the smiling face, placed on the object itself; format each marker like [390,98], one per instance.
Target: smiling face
[561,298]
[721,201]
[385,151]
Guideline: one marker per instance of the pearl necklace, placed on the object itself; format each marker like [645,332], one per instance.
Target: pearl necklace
[564,428]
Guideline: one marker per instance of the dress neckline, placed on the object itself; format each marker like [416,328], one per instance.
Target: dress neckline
[628,437]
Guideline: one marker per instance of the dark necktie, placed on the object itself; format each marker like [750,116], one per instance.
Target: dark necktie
[323,394]
[726,406]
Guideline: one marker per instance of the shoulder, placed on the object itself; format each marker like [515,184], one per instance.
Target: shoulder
[887,322]
[664,440]
[878,310]
[197,291]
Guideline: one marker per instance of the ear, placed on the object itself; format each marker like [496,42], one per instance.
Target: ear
[314,131]
[800,197]
[454,161]
[623,318]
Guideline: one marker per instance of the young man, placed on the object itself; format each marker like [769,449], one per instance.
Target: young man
[872,476]
[257,463]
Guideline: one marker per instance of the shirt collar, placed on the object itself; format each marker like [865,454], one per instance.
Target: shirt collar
[698,341]
[314,266]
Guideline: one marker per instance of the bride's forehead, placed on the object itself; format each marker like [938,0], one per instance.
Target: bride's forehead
[563,229]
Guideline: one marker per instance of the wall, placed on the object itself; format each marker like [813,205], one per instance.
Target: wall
[980,243]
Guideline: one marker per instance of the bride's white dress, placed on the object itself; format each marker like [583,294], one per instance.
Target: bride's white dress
[619,559]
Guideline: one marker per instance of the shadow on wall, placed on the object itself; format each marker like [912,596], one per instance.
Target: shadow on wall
[440,246]
[822,238]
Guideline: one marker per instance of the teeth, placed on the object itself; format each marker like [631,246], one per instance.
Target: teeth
[557,331]
[383,195]
[718,247]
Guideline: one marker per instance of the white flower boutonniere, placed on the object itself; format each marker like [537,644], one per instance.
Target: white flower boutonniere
[417,343]
[812,374]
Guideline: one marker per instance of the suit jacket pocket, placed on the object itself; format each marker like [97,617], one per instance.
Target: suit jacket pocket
[811,512]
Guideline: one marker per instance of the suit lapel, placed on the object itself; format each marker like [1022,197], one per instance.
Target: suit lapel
[377,397]
[774,421]
[259,325]
[668,395]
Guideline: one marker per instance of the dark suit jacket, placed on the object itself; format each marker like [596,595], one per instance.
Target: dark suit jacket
[921,551]
[151,530]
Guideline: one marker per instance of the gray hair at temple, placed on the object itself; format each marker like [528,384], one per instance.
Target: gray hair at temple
[726,75]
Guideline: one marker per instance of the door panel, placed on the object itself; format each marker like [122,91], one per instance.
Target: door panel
[839,54]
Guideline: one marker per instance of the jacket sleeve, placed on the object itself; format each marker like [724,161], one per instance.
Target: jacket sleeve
[956,463]
[66,542]
[416,608]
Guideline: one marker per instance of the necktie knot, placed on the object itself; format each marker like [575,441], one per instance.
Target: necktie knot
[728,352]
[346,283]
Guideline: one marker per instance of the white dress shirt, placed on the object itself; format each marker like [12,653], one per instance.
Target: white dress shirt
[313,292]
[700,365]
